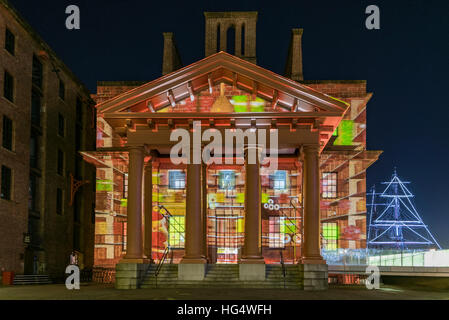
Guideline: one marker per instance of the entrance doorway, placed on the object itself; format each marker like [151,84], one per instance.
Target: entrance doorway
[225,214]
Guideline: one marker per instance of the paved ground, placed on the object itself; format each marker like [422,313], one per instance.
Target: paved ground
[107,292]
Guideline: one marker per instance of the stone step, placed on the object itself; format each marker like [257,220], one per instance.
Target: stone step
[31,279]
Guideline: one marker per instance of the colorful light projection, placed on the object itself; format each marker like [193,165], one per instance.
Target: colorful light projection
[344,133]
[244,103]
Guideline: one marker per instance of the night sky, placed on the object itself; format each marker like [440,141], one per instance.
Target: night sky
[406,64]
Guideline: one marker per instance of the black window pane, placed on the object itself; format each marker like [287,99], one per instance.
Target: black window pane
[10,41]
[7,133]
[37,73]
[6,183]
[60,162]
[176,179]
[35,108]
[79,110]
[78,137]
[32,202]
[58,201]
[8,87]
[61,125]
[61,89]
[34,152]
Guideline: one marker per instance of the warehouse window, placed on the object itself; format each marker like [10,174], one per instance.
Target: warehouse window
[8,86]
[10,41]
[125,186]
[6,186]
[176,179]
[35,107]
[279,180]
[59,201]
[329,185]
[330,236]
[276,237]
[60,162]
[61,89]
[37,73]
[7,133]
[176,231]
[226,180]
[61,125]
[79,110]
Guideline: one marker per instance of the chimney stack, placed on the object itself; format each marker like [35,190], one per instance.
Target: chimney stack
[171,58]
[293,67]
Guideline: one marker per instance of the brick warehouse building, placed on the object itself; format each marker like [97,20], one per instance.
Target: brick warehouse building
[47,116]
[197,219]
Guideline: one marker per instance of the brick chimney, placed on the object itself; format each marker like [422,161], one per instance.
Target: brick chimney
[293,67]
[171,59]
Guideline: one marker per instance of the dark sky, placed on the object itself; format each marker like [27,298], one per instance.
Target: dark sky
[406,64]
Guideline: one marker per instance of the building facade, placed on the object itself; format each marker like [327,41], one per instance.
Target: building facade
[46,204]
[230,213]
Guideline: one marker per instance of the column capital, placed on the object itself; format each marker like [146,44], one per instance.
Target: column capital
[310,148]
[135,148]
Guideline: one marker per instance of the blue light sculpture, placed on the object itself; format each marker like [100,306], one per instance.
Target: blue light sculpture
[394,223]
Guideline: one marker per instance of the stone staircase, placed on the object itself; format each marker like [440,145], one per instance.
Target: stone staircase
[31,279]
[223,276]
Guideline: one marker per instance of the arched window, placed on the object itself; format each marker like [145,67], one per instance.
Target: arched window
[218,37]
[230,40]
[242,40]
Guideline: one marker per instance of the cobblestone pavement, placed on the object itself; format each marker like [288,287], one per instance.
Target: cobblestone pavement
[107,292]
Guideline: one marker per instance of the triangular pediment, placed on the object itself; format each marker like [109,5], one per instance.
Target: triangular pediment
[199,78]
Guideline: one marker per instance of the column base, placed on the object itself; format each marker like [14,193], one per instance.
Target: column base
[129,273]
[252,270]
[315,276]
[192,269]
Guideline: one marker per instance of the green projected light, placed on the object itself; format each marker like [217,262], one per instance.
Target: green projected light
[240,104]
[344,133]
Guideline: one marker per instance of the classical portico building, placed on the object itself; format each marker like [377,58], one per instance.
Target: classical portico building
[240,216]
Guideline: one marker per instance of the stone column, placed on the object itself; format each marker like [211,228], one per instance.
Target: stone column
[130,269]
[313,267]
[252,264]
[193,264]
[148,208]
[134,246]
[311,250]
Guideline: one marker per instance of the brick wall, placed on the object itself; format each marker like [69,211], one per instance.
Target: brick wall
[52,233]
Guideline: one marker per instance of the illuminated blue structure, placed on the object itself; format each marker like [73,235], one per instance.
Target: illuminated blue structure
[394,222]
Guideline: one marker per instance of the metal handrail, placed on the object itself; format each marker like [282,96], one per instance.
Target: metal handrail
[161,262]
[283,266]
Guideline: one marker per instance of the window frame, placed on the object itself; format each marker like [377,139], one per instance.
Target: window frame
[61,90]
[330,236]
[275,240]
[9,35]
[222,173]
[59,201]
[61,117]
[275,180]
[7,134]
[8,193]
[176,234]
[327,182]
[60,162]
[181,182]
[8,86]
